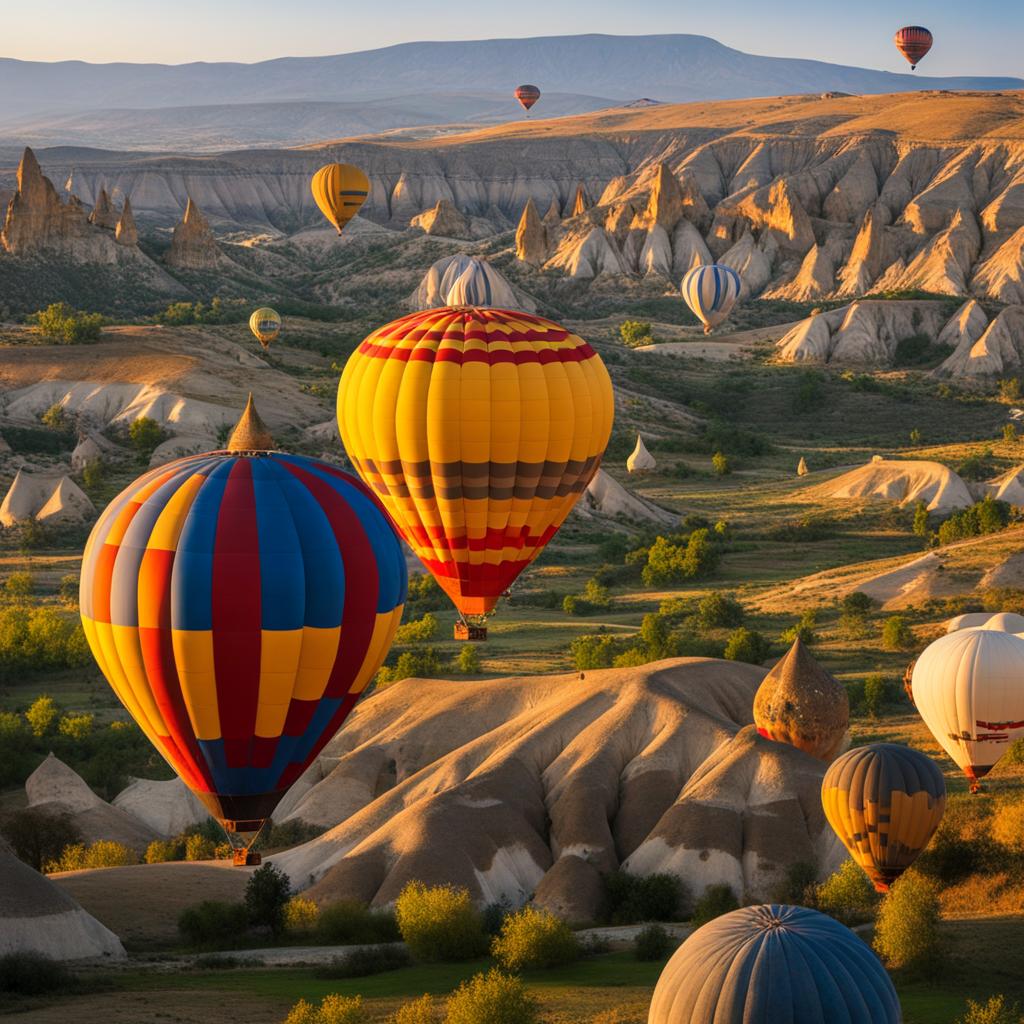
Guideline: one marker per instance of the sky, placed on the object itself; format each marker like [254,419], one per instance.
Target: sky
[973,37]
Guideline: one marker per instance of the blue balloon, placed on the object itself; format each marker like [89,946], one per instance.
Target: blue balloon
[711,290]
[774,964]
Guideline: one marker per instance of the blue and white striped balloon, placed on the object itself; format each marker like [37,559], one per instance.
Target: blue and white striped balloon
[477,285]
[711,291]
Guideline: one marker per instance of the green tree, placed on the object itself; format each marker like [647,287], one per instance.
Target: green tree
[1010,433]
[61,323]
[995,1011]
[635,333]
[533,938]
[68,590]
[747,645]
[654,632]
[874,693]
[18,586]
[720,464]
[907,929]
[715,901]
[92,475]
[847,895]
[717,610]
[145,435]
[1009,390]
[56,417]
[440,922]
[897,634]
[492,998]
[266,895]
[915,436]
[38,836]
[468,661]
[417,631]
[921,519]
[41,715]
[75,727]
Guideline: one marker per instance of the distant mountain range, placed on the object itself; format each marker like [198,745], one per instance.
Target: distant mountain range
[206,106]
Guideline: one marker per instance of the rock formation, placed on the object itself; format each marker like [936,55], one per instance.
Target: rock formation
[801,467]
[86,451]
[167,807]
[531,237]
[801,704]
[606,498]
[587,253]
[50,499]
[580,203]
[999,349]
[443,219]
[103,213]
[126,232]
[538,785]
[903,482]
[640,459]
[193,245]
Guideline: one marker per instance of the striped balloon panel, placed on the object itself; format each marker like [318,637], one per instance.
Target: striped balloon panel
[913,41]
[527,95]
[774,964]
[472,287]
[340,191]
[479,429]
[885,802]
[238,605]
[711,291]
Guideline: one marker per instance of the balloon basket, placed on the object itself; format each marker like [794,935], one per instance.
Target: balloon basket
[246,859]
[464,631]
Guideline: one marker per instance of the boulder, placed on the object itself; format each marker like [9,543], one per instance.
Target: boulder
[606,498]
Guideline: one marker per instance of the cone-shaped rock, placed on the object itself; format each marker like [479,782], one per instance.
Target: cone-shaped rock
[581,203]
[641,460]
[801,704]
[801,467]
[103,213]
[554,214]
[531,238]
[127,233]
[193,245]
[250,433]
[665,205]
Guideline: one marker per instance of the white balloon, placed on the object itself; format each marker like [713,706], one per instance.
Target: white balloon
[969,689]
[1006,622]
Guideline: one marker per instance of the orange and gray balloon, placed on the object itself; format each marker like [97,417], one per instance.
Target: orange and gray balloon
[527,96]
[913,41]
[340,191]
[885,802]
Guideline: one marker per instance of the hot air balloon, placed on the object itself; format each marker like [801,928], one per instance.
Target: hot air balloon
[1004,622]
[885,802]
[238,602]
[711,290]
[969,689]
[340,190]
[913,41]
[479,429]
[773,963]
[265,324]
[527,96]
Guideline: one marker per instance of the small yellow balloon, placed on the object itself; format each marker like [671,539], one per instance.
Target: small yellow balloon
[265,324]
[340,190]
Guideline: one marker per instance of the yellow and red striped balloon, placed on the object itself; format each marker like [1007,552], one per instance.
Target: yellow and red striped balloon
[479,429]
[238,604]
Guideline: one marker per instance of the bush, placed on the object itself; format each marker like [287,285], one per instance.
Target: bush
[366,960]
[418,630]
[630,899]
[27,973]
[34,639]
[720,464]
[266,895]
[41,715]
[907,929]
[994,1011]
[420,1011]
[492,998]
[847,895]
[593,651]
[797,885]
[1008,824]
[669,563]
[162,851]
[534,938]
[897,634]
[68,591]
[984,517]
[716,901]
[37,836]
[425,594]
[802,630]
[653,943]
[747,645]
[349,922]
[424,663]
[301,915]
[61,323]
[440,922]
[635,333]
[104,853]
[468,661]
[75,727]
[145,435]
[198,847]
[333,1009]
[213,923]
[717,610]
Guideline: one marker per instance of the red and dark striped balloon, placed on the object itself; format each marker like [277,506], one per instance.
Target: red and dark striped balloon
[527,95]
[913,41]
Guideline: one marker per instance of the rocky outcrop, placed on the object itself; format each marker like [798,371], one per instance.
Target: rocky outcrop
[815,279]
[443,219]
[1000,349]
[640,459]
[665,205]
[903,482]
[1001,275]
[874,250]
[193,245]
[586,254]
[943,265]
[531,237]
[56,500]
[126,233]
[750,261]
[581,202]
[103,213]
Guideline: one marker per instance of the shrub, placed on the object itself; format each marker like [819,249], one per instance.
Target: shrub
[630,899]
[635,333]
[213,923]
[348,922]
[68,591]
[41,715]
[39,638]
[897,634]
[984,517]
[266,894]
[874,693]
[1010,433]
[907,929]
[425,594]
[672,563]
[716,901]
[37,836]
[420,1011]
[492,998]
[1008,824]
[333,1009]
[847,895]
[857,603]
[301,915]
[534,938]
[198,847]
[921,519]
[27,973]
[161,851]
[61,323]
[104,853]
[747,645]
[75,727]
[18,586]
[93,474]
[653,943]
[994,1011]
[468,661]
[802,630]
[424,663]
[363,961]
[717,610]
[797,885]
[145,435]
[440,922]
[593,651]
[720,464]
[418,630]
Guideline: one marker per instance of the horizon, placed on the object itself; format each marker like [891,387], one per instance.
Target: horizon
[830,33]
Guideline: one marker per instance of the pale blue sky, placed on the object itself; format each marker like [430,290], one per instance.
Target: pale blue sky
[978,37]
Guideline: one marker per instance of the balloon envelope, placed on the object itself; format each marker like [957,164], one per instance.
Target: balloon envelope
[711,290]
[479,429]
[774,963]
[885,802]
[913,41]
[265,324]
[969,689]
[238,604]
[340,191]
[527,95]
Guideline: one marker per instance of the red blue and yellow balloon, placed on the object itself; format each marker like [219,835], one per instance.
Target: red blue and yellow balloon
[238,603]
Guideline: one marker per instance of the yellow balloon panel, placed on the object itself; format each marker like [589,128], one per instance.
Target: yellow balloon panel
[479,429]
[340,190]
